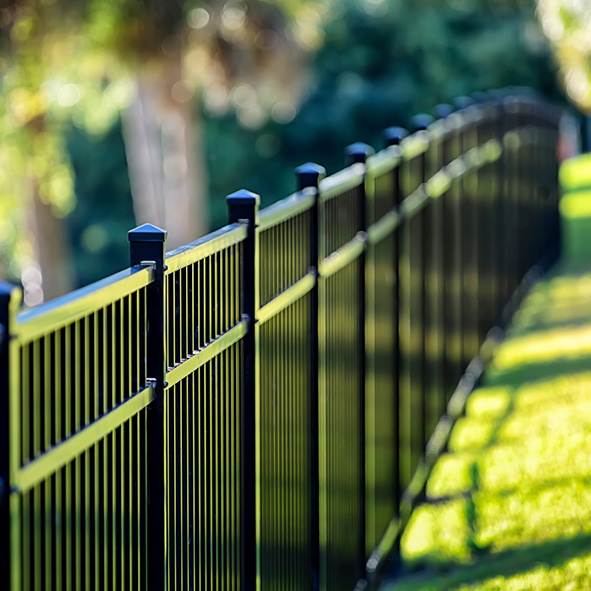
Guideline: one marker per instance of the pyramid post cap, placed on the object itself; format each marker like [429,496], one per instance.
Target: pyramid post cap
[463,102]
[394,135]
[443,110]
[310,168]
[358,152]
[147,233]
[309,174]
[420,122]
[243,197]
[480,97]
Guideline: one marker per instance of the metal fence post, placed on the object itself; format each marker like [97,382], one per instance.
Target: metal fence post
[243,206]
[308,176]
[9,442]
[5,576]
[446,240]
[358,153]
[415,351]
[147,247]
[392,137]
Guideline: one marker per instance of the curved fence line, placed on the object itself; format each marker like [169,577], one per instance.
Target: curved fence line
[260,408]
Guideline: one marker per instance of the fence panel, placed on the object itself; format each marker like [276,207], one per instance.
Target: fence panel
[382,355]
[341,379]
[203,412]
[412,305]
[79,485]
[287,394]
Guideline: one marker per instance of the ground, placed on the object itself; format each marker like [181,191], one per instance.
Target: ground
[509,504]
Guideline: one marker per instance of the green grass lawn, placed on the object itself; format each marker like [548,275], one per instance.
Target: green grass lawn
[509,505]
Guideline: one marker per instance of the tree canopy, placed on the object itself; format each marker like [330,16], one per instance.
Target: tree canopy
[74,62]
[70,70]
[567,24]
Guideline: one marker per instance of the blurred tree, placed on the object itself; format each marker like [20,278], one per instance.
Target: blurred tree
[91,60]
[381,62]
[243,54]
[567,24]
[36,181]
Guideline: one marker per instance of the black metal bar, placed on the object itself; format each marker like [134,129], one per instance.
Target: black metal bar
[392,137]
[243,206]
[358,153]
[147,247]
[7,297]
[308,177]
[419,124]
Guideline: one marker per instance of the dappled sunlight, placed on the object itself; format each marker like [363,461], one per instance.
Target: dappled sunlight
[438,534]
[471,434]
[518,465]
[576,173]
[567,291]
[544,392]
[541,347]
[571,313]
[533,516]
[509,505]
[451,476]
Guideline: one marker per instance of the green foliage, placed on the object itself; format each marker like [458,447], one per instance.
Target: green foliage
[99,223]
[65,61]
[566,23]
[381,63]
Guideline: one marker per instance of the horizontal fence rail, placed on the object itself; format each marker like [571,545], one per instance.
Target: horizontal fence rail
[259,409]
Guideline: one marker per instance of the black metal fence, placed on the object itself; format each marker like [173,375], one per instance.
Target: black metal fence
[248,411]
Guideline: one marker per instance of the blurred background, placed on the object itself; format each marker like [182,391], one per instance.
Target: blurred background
[117,112]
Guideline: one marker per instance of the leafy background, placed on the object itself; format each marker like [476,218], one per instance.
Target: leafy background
[380,62]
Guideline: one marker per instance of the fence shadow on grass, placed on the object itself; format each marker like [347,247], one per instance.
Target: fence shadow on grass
[511,498]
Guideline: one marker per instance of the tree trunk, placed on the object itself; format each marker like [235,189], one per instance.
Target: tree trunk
[162,136]
[54,276]
[52,252]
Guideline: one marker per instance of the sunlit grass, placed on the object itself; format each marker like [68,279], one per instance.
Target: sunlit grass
[576,173]
[575,208]
[540,348]
[508,506]
[451,476]
[517,474]
[445,534]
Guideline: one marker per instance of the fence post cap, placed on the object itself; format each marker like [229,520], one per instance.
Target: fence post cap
[420,122]
[394,135]
[243,197]
[358,152]
[6,288]
[442,110]
[462,102]
[496,97]
[309,175]
[147,233]
[480,97]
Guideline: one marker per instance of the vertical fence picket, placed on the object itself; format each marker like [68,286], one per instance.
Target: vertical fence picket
[358,153]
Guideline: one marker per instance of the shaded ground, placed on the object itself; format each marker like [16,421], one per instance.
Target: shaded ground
[509,506]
